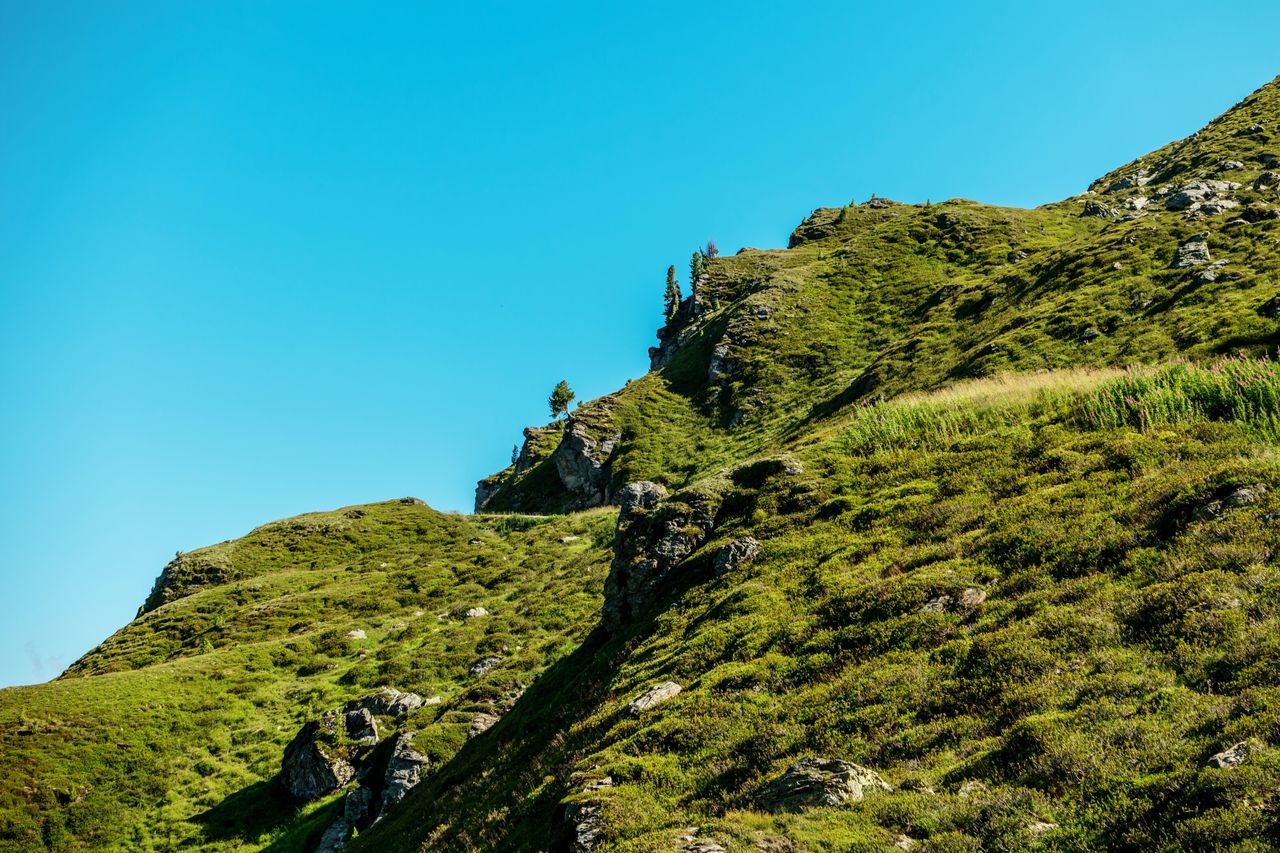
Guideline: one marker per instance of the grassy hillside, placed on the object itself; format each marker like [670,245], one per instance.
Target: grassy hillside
[1001,491]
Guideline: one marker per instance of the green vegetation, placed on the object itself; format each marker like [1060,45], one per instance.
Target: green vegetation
[671,297]
[1013,482]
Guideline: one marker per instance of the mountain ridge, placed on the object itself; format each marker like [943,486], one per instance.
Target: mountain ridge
[949,527]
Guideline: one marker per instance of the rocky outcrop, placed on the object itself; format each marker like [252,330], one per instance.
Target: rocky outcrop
[1193,253]
[582,462]
[1232,756]
[1095,208]
[483,665]
[813,782]
[361,726]
[652,698]
[1238,497]
[654,536]
[1194,195]
[388,702]
[481,723]
[582,817]
[966,602]
[314,765]
[183,575]
[404,771]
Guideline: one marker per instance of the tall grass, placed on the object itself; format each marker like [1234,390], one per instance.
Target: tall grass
[915,421]
[1239,388]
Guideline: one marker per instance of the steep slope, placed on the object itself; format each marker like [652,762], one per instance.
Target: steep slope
[904,559]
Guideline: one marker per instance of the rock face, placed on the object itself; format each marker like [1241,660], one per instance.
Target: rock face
[582,461]
[311,767]
[183,575]
[653,537]
[813,782]
[404,770]
[361,726]
[481,723]
[1096,208]
[652,697]
[736,553]
[1193,195]
[388,702]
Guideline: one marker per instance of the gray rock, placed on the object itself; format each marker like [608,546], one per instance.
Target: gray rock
[736,553]
[312,768]
[1089,334]
[483,665]
[387,702]
[475,613]
[1242,496]
[1093,207]
[1267,181]
[357,634]
[703,845]
[481,723]
[813,782]
[1213,207]
[583,818]
[335,837]
[1191,194]
[1137,202]
[966,602]
[1230,165]
[404,771]
[1231,756]
[1193,253]
[642,495]
[1139,178]
[485,491]
[357,808]
[719,367]
[361,726]
[652,697]
[582,462]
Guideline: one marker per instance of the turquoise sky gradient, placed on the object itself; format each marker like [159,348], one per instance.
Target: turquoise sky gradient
[258,259]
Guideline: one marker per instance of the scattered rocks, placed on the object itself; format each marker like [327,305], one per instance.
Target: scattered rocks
[1193,195]
[335,837]
[1210,273]
[475,613]
[1139,178]
[652,697]
[1267,181]
[966,602]
[1232,756]
[736,553]
[389,702]
[483,665]
[819,782]
[357,634]
[313,766]
[703,845]
[1137,202]
[1230,165]
[1193,253]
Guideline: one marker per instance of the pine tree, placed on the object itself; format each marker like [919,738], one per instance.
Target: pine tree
[713,251]
[671,301]
[515,454]
[561,396]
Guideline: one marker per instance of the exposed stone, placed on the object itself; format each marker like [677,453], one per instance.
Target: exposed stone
[1242,496]
[905,842]
[1218,205]
[1137,202]
[651,540]
[819,782]
[312,768]
[361,726]
[475,612]
[703,845]
[1192,194]
[641,495]
[1040,827]
[582,461]
[1231,756]
[582,818]
[1139,178]
[1093,207]
[719,366]
[566,540]
[413,502]
[335,837]
[483,665]
[736,553]
[1193,253]
[1267,181]
[481,723]
[652,697]
[404,770]
[1089,334]
[357,808]
[357,634]
[1230,165]
[972,788]
[965,602]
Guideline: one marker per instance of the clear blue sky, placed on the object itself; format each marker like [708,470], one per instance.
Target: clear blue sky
[258,259]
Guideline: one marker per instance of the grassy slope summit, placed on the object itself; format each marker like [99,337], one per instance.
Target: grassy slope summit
[1034,591]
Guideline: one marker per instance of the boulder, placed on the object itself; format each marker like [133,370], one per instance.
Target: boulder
[335,837]
[1242,496]
[582,818]
[965,602]
[1193,253]
[1231,756]
[357,808]
[812,782]
[357,634]
[475,613]
[652,697]
[641,495]
[388,702]
[703,845]
[481,723]
[313,766]
[404,771]
[1095,208]
[719,367]
[736,553]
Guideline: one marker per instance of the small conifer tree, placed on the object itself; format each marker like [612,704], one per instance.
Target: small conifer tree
[671,300]
[713,251]
[561,396]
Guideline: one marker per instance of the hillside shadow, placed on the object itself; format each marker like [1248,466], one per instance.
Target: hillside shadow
[248,814]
